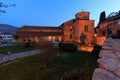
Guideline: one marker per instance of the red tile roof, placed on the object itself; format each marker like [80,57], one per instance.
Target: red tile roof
[39,27]
[39,31]
[38,34]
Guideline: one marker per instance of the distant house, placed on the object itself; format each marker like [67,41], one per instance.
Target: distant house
[110,27]
[38,34]
[5,37]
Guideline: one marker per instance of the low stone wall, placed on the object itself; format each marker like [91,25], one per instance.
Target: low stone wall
[100,40]
[109,61]
[10,57]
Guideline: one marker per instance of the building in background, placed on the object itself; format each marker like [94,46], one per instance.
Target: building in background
[5,37]
[110,26]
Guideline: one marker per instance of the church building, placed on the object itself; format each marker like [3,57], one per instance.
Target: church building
[78,30]
[38,34]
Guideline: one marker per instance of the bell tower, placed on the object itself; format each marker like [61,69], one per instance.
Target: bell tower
[82,15]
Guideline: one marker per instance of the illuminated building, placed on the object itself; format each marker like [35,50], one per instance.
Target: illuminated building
[80,29]
[111,26]
[38,34]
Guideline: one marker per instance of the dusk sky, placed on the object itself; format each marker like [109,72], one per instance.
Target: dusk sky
[54,12]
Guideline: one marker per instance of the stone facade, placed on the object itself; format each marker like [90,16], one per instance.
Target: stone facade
[109,61]
[80,27]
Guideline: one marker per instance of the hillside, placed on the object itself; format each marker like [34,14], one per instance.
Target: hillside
[8,28]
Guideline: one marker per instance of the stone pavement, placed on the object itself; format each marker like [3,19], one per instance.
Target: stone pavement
[11,57]
[109,61]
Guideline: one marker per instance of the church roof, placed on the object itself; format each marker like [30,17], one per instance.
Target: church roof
[38,34]
[39,31]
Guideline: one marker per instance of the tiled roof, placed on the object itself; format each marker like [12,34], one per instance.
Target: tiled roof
[39,31]
[111,19]
[39,27]
[39,34]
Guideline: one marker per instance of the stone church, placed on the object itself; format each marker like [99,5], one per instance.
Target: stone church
[79,30]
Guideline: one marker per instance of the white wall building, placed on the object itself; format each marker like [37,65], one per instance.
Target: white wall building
[5,37]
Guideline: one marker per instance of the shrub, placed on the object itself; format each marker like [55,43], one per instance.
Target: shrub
[68,46]
[48,52]
[29,44]
[115,36]
[77,74]
[96,50]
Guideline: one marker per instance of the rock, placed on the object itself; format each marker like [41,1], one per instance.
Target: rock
[118,54]
[110,64]
[107,44]
[105,51]
[109,61]
[101,74]
[107,48]
[109,54]
[116,48]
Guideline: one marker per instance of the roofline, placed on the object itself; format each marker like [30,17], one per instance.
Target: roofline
[82,12]
[37,26]
[110,19]
[41,27]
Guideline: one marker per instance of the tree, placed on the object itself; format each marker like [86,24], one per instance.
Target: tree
[2,5]
[48,52]
[102,17]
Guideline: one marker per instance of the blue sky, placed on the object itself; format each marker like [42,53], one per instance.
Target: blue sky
[54,12]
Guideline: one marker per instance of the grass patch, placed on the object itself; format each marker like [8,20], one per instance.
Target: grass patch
[67,66]
[14,49]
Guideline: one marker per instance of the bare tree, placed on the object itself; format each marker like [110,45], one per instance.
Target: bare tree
[48,52]
[2,6]
[102,17]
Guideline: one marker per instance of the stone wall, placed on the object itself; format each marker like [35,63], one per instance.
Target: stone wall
[109,61]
